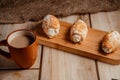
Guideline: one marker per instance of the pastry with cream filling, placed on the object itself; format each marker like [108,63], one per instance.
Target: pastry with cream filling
[111,42]
[78,31]
[51,26]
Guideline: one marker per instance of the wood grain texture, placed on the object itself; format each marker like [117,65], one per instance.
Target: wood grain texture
[5,29]
[60,65]
[107,22]
[19,75]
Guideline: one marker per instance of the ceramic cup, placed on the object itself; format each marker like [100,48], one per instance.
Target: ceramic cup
[24,56]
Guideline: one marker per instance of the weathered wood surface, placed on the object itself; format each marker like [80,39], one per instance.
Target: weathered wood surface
[19,75]
[107,21]
[54,64]
[59,65]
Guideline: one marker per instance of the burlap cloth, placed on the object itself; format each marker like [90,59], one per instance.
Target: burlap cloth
[17,11]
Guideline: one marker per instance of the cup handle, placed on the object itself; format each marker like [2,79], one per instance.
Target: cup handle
[3,53]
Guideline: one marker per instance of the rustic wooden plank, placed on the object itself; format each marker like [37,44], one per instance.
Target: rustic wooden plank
[19,75]
[5,29]
[59,65]
[107,21]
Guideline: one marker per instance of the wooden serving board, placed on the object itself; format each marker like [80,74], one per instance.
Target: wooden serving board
[90,48]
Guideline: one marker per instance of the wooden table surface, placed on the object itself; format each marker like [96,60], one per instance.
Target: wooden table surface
[52,64]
